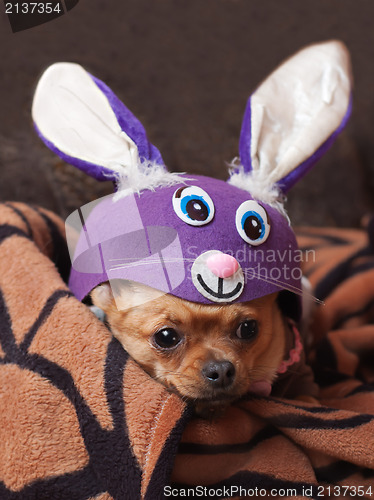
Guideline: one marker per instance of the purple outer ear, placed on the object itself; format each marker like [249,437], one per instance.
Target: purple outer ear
[128,123]
[245,139]
[131,125]
[287,182]
[295,175]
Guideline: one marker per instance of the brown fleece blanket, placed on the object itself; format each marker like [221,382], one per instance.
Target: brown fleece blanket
[80,420]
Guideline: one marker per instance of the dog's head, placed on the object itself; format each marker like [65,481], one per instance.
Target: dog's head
[210,354]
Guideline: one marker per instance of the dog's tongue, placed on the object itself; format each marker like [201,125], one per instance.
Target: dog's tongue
[260,388]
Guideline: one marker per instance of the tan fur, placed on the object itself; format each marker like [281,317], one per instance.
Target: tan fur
[209,333]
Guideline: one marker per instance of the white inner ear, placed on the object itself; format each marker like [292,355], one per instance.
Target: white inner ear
[298,107]
[74,115]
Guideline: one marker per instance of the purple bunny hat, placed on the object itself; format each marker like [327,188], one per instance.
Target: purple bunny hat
[198,238]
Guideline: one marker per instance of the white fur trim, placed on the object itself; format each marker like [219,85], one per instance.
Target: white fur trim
[258,186]
[147,175]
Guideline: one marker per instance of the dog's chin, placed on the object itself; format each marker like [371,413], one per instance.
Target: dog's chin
[208,403]
[212,403]
[212,408]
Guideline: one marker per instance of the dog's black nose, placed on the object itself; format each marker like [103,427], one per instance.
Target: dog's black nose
[219,373]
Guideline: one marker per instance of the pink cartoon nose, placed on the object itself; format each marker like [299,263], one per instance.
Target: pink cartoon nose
[222,265]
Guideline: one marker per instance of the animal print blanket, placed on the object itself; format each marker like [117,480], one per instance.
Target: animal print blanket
[80,420]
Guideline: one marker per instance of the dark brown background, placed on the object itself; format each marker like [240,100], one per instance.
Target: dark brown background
[186,68]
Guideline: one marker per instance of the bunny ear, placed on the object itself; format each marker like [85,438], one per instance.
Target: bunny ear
[81,120]
[295,116]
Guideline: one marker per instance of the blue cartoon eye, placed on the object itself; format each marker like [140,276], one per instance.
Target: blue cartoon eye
[252,222]
[193,205]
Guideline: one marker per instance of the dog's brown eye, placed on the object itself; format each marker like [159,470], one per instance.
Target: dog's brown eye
[167,338]
[247,330]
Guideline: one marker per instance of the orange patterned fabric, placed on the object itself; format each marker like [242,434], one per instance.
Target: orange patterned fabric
[80,420]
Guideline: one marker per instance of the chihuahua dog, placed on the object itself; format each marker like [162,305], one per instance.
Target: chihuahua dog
[208,354]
